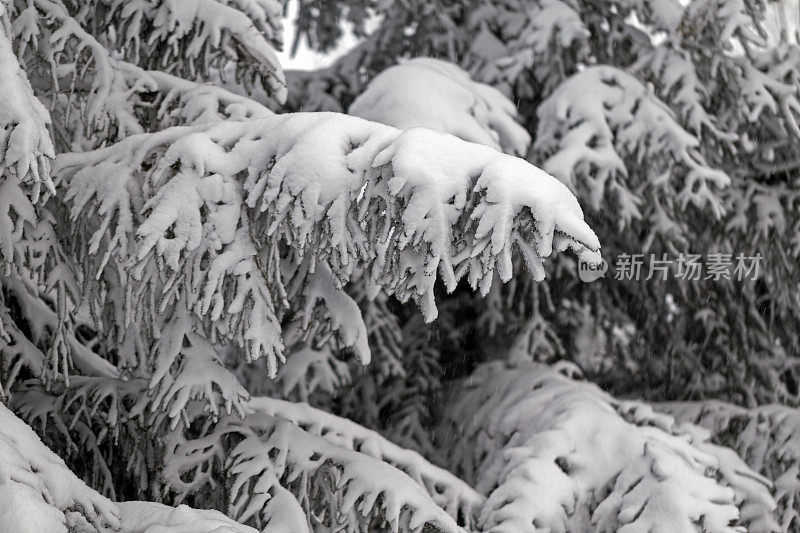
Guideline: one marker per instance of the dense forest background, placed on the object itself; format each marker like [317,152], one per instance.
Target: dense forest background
[355,298]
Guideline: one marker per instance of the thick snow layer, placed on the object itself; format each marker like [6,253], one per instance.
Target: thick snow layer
[23,509]
[432,93]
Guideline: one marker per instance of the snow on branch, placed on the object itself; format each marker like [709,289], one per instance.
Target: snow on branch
[151,516]
[679,84]
[187,367]
[80,73]
[31,260]
[36,485]
[90,416]
[512,40]
[201,215]
[117,98]
[308,370]
[595,140]
[725,22]
[557,454]
[773,82]
[190,37]
[768,437]
[328,469]
[436,94]
[184,103]
[365,484]
[17,217]
[25,145]
[449,492]
[45,328]
[39,493]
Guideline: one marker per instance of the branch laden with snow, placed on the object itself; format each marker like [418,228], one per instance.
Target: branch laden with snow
[192,250]
[590,141]
[767,436]
[199,215]
[562,455]
[338,473]
[190,38]
[39,493]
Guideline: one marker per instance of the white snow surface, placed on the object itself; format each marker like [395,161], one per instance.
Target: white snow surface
[149,517]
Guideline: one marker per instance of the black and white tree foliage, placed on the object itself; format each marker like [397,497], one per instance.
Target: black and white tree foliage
[234,298]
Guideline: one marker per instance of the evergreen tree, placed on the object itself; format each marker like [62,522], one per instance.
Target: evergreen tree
[228,305]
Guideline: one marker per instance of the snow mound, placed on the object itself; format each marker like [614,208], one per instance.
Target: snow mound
[436,94]
[149,517]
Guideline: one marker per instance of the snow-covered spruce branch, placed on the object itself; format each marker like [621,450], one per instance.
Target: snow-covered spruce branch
[90,417]
[192,38]
[338,473]
[592,140]
[109,95]
[680,86]
[39,493]
[450,493]
[182,102]
[559,454]
[78,74]
[32,270]
[768,437]
[35,281]
[25,145]
[200,216]
[45,344]
[529,34]
[308,370]
[37,490]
